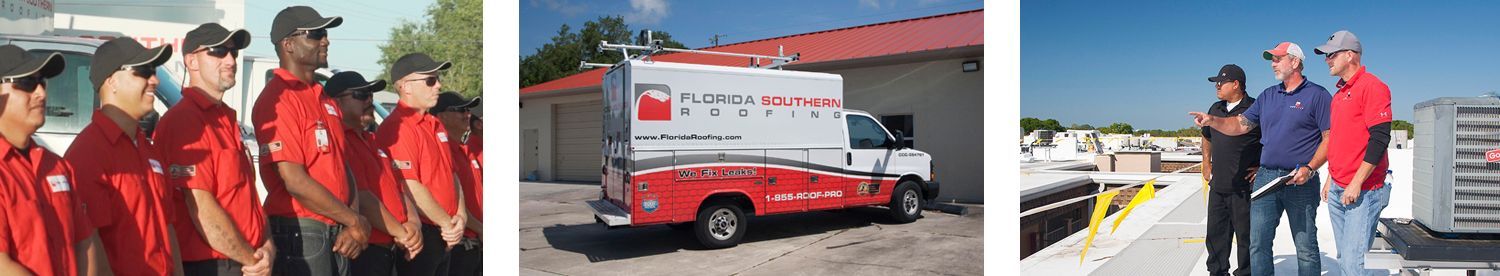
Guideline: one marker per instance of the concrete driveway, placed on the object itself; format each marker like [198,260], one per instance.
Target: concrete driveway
[559,237]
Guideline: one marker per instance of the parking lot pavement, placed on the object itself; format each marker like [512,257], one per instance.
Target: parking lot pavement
[559,237]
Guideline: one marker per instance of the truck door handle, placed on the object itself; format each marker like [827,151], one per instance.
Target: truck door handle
[849,157]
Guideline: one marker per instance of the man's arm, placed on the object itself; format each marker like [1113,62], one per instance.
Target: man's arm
[379,217]
[315,197]
[176,250]
[90,256]
[210,219]
[426,204]
[1319,158]
[9,266]
[1208,158]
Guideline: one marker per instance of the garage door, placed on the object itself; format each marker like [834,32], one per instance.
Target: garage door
[577,128]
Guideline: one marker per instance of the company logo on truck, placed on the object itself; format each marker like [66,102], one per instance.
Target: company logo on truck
[654,104]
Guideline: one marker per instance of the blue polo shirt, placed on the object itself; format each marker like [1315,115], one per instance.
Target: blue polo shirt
[1291,123]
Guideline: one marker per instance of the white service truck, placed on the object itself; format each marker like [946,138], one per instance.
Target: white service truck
[702,147]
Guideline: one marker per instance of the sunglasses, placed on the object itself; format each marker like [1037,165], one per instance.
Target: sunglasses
[431,80]
[1335,54]
[359,94]
[28,83]
[317,34]
[221,51]
[145,72]
[1221,84]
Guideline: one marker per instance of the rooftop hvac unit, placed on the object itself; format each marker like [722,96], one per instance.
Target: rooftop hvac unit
[1456,165]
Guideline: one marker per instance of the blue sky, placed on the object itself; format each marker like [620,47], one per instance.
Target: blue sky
[1145,63]
[353,45]
[694,22]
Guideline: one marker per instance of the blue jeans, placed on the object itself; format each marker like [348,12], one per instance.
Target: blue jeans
[1354,225]
[305,247]
[1300,202]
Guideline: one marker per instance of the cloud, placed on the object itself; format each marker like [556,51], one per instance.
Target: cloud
[647,12]
[563,7]
[873,4]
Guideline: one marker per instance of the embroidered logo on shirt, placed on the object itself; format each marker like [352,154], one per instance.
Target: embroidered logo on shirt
[155,166]
[180,171]
[382,153]
[271,147]
[476,163]
[1297,105]
[403,165]
[330,109]
[59,183]
[442,136]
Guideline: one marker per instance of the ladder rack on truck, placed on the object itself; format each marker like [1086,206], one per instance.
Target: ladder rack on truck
[654,46]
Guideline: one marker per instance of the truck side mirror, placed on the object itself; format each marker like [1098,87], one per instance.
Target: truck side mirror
[900,142]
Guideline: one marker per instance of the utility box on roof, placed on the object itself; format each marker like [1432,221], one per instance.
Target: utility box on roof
[1456,165]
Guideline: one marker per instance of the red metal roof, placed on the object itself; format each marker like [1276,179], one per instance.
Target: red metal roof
[881,39]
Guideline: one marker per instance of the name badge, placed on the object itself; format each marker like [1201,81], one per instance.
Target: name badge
[59,183]
[322,136]
[155,166]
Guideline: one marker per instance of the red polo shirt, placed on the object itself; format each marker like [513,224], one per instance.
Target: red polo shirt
[294,122]
[418,145]
[372,170]
[124,184]
[469,178]
[1362,102]
[33,180]
[200,144]
[476,146]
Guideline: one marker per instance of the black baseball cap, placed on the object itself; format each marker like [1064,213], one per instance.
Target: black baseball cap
[416,63]
[452,99]
[350,80]
[16,62]
[296,18]
[122,52]
[211,35]
[1229,72]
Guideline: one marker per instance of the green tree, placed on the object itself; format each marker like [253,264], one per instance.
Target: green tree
[1122,128]
[1403,125]
[560,57]
[1081,127]
[454,32]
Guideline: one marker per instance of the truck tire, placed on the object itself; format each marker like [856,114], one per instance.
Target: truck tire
[906,202]
[720,225]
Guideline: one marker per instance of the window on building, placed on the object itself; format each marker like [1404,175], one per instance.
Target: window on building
[901,123]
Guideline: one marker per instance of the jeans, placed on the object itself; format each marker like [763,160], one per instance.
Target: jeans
[1300,202]
[377,260]
[434,257]
[467,258]
[221,267]
[1354,225]
[305,247]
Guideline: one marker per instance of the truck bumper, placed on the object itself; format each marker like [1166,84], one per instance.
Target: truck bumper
[930,191]
[609,214]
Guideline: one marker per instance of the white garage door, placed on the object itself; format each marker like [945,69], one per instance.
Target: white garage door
[577,128]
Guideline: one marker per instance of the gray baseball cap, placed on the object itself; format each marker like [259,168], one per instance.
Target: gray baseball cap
[1340,40]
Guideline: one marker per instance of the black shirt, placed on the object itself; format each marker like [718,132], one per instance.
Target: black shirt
[1232,155]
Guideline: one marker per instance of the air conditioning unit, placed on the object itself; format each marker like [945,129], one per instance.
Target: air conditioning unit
[1456,165]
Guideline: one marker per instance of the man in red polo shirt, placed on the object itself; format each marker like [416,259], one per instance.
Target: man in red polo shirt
[33,179]
[310,198]
[120,176]
[1360,130]
[417,143]
[453,111]
[222,225]
[396,237]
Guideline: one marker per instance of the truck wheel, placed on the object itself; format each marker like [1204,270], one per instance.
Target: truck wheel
[906,202]
[720,225]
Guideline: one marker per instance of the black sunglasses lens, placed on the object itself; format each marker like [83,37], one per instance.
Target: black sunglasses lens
[361,95]
[220,52]
[318,34]
[431,81]
[143,71]
[29,83]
